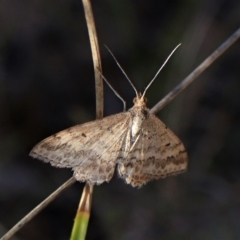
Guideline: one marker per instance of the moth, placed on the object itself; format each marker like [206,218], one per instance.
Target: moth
[136,142]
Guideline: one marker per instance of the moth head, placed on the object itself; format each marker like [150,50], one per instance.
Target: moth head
[140,100]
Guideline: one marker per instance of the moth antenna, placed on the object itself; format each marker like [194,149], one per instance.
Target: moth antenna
[115,92]
[160,69]
[123,71]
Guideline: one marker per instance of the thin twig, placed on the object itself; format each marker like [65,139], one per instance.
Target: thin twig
[205,64]
[96,57]
[83,214]
[81,220]
[37,209]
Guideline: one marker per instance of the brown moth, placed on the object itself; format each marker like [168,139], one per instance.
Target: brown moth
[136,142]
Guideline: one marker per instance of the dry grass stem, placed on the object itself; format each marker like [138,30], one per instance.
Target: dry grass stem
[37,209]
[205,64]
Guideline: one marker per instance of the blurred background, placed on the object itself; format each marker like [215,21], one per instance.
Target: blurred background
[47,85]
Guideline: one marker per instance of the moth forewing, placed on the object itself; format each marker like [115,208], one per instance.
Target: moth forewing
[156,153]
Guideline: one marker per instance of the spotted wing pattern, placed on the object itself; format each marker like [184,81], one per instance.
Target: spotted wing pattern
[90,149]
[157,153]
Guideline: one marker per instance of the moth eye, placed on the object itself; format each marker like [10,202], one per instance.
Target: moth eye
[134,100]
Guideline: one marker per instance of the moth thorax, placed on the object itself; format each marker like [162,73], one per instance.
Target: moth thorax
[139,116]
